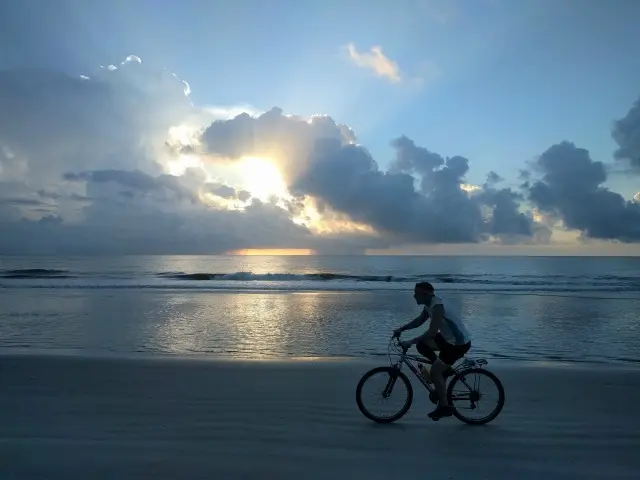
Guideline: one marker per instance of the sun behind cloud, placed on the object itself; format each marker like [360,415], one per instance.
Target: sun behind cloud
[261,178]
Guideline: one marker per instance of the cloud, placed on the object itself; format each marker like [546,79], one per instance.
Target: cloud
[626,133]
[419,199]
[286,140]
[83,164]
[570,189]
[375,61]
[423,197]
[493,178]
[221,190]
[130,212]
[348,179]
[120,160]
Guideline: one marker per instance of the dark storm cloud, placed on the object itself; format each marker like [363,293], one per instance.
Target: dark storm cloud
[570,188]
[626,133]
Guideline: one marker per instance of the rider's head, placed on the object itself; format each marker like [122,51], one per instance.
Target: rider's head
[423,292]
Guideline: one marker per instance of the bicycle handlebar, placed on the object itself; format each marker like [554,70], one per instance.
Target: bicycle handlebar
[393,337]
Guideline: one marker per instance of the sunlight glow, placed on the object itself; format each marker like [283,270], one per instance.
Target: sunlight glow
[273,251]
[178,166]
[261,178]
[182,135]
[329,222]
[469,188]
[220,203]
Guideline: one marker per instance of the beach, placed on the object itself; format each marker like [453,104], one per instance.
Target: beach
[138,417]
[241,368]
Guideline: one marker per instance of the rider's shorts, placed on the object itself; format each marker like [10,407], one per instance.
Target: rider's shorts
[449,353]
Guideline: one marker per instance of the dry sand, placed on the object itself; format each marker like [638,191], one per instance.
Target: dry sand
[77,418]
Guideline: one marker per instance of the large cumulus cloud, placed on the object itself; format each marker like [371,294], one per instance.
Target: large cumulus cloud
[82,170]
[626,132]
[422,196]
[419,199]
[287,140]
[85,167]
[570,189]
[52,122]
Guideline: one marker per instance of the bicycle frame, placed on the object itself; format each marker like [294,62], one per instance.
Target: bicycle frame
[405,359]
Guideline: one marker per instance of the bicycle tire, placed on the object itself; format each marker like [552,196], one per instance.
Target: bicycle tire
[392,372]
[494,379]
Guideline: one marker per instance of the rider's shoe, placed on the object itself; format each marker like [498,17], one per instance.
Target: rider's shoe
[441,411]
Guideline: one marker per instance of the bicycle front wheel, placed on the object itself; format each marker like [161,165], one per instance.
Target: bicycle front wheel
[477,396]
[384,394]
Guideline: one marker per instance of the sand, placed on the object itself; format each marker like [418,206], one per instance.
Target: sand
[65,417]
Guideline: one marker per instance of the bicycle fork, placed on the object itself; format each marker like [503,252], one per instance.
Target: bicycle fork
[386,393]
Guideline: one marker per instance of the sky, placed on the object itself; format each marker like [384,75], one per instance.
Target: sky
[422,126]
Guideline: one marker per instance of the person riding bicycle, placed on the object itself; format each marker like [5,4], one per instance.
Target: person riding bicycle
[446,333]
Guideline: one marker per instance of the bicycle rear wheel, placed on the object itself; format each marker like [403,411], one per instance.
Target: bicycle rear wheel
[471,389]
[377,388]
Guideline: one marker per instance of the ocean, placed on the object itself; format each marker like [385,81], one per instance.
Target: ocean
[561,309]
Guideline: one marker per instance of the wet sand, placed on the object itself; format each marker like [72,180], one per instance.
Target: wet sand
[65,417]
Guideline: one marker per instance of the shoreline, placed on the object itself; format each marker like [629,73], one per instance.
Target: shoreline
[373,360]
[402,289]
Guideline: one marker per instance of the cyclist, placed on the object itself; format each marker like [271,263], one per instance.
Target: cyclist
[446,333]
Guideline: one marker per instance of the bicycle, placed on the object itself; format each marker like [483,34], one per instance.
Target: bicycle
[458,375]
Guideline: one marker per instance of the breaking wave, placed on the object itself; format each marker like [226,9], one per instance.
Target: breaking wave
[52,278]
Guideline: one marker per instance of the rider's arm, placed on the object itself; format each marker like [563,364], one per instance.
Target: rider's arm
[416,322]
[437,318]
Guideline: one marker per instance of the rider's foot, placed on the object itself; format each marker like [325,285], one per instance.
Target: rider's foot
[424,371]
[441,411]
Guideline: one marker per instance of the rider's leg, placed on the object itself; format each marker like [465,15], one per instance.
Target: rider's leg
[437,370]
[449,354]
[437,375]
[426,349]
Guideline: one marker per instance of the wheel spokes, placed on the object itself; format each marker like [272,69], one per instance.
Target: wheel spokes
[384,394]
[478,399]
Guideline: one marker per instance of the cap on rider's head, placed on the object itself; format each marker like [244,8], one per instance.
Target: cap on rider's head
[424,286]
